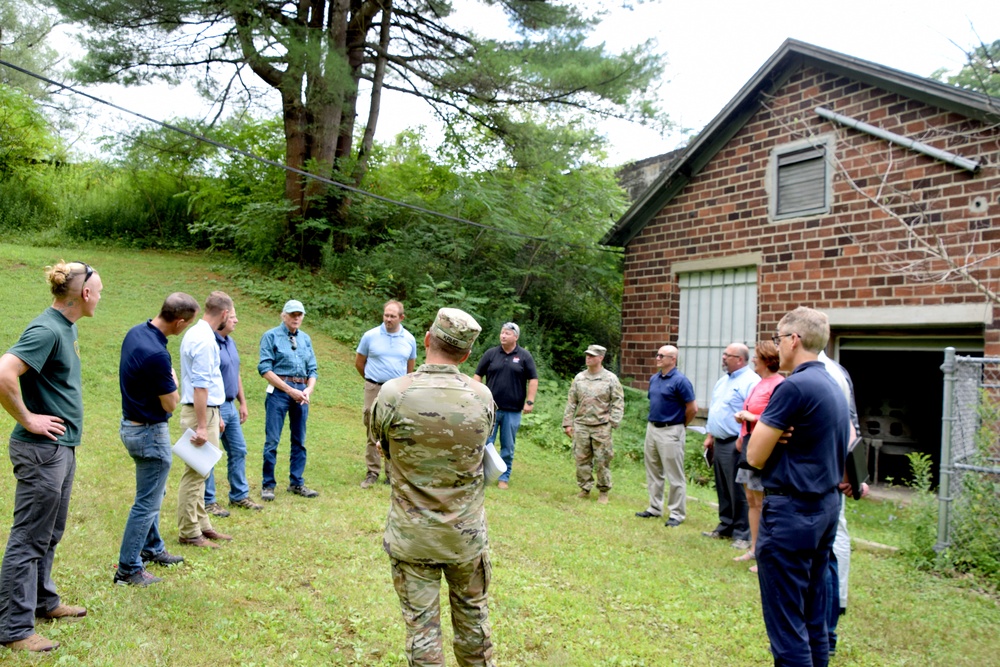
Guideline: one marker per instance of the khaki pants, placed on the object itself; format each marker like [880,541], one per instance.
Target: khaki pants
[373,460]
[419,590]
[192,519]
[593,450]
[664,456]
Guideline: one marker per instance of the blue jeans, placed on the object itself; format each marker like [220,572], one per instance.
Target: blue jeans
[507,423]
[44,474]
[149,447]
[276,406]
[236,454]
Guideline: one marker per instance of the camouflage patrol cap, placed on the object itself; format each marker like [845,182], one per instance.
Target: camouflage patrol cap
[456,327]
[596,351]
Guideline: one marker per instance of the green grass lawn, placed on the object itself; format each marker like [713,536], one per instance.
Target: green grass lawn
[305,582]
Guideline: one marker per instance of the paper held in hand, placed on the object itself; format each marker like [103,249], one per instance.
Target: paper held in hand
[493,465]
[201,459]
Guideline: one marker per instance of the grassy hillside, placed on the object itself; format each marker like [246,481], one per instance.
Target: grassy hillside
[307,583]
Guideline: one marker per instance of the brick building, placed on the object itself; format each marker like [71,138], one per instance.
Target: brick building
[832,182]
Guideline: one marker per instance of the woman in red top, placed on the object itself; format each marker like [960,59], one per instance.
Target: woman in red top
[765,363]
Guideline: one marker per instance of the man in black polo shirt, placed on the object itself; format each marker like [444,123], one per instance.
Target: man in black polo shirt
[672,406]
[801,498]
[512,377]
[41,388]
[149,395]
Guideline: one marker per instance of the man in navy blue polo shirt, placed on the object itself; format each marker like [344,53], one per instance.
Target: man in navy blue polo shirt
[801,498]
[672,406]
[149,396]
[232,413]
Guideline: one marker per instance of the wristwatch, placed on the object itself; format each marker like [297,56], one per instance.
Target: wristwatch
[529,402]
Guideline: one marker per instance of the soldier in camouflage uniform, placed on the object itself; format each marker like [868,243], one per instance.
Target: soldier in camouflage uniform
[432,426]
[595,406]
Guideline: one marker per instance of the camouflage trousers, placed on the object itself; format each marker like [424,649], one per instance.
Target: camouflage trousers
[419,590]
[593,450]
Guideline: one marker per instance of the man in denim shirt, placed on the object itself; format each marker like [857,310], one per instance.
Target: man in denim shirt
[288,363]
[148,386]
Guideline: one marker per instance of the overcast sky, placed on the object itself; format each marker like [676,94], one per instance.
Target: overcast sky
[712,49]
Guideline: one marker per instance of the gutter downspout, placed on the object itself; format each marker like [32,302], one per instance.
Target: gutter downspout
[930,151]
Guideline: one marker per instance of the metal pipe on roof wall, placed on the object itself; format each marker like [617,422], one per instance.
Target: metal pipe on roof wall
[936,153]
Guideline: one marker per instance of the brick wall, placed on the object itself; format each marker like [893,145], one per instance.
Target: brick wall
[854,256]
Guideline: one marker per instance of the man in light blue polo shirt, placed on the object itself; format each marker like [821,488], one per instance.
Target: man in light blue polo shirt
[386,352]
[728,397]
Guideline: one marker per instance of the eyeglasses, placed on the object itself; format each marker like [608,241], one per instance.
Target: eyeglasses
[734,356]
[776,339]
[664,356]
[89,270]
[294,341]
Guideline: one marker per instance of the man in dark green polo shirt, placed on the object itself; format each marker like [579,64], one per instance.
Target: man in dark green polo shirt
[40,387]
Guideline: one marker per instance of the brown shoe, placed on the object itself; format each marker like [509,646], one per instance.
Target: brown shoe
[502,484]
[35,643]
[216,535]
[370,480]
[64,611]
[603,498]
[200,541]
[583,495]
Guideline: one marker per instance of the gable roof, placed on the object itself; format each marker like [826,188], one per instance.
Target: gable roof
[786,61]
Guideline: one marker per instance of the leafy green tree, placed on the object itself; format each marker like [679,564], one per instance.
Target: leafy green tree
[981,71]
[315,53]
[23,31]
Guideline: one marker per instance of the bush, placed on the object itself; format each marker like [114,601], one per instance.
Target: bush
[24,206]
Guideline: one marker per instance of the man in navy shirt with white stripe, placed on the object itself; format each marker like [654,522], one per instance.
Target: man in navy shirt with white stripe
[801,498]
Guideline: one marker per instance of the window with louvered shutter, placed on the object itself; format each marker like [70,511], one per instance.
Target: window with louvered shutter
[800,183]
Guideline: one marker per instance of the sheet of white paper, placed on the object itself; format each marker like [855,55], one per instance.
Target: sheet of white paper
[493,465]
[201,459]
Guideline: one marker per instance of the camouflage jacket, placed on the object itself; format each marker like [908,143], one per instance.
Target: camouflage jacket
[433,425]
[595,399]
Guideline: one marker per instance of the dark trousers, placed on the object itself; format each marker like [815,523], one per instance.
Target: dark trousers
[733,507]
[44,474]
[793,558]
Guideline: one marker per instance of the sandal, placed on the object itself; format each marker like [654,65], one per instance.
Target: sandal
[745,557]
[753,569]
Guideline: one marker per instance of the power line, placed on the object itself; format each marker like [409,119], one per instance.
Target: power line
[301,172]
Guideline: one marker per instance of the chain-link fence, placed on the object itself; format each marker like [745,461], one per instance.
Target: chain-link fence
[969,490]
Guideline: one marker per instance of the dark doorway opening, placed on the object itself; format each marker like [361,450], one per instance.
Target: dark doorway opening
[899,394]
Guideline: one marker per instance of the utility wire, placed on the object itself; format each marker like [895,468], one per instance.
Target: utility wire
[301,172]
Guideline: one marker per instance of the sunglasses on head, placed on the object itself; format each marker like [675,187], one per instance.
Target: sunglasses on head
[89,270]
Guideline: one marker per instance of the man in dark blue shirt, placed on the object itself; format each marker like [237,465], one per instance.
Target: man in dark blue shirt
[801,498]
[672,406]
[232,413]
[149,395]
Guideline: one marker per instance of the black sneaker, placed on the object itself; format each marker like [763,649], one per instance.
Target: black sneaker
[267,493]
[386,479]
[139,578]
[303,491]
[163,558]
